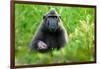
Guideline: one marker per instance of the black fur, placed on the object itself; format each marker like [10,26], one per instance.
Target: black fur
[53,39]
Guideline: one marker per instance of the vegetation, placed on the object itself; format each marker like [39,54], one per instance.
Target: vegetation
[79,23]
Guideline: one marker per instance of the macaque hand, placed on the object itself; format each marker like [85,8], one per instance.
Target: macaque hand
[42,45]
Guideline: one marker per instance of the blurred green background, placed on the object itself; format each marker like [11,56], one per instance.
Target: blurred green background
[78,21]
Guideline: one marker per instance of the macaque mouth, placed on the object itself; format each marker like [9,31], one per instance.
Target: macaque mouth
[52,26]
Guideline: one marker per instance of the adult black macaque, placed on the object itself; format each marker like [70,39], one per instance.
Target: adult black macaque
[51,33]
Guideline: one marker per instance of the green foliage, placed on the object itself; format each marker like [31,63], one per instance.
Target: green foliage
[79,23]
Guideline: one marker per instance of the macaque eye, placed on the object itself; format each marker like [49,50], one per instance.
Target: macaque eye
[52,16]
[55,17]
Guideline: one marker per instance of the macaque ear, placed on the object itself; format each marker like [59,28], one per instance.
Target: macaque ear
[44,17]
[59,16]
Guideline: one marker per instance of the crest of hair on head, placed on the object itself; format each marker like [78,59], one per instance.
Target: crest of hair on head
[53,11]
